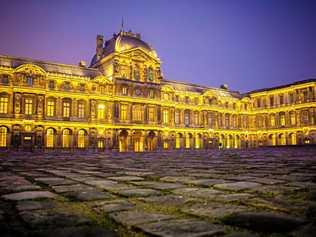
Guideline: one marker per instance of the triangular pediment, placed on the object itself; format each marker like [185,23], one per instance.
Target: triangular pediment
[139,54]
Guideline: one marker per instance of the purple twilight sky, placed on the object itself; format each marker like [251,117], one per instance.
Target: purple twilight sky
[247,44]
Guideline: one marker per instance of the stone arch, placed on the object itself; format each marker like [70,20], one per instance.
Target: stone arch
[281,139]
[66,138]
[82,138]
[4,131]
[292,138]
[272,140]
[123,140]
[151,141]
[50,137]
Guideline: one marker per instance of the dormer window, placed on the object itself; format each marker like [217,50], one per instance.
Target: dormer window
[4,79]
[51,85]
[29,80]
[82,87]
[67,86]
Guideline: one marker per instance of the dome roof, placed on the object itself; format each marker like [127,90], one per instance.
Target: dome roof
[124,41]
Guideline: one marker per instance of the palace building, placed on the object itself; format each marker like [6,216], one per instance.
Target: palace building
[122,102]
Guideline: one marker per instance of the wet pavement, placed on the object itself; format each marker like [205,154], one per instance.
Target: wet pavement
[255,192]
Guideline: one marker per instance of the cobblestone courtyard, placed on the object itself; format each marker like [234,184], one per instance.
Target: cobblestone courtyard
[262,192]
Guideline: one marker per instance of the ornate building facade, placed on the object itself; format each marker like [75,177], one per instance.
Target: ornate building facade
[122,102]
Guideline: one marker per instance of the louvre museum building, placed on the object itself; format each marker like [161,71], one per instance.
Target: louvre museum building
[122,102]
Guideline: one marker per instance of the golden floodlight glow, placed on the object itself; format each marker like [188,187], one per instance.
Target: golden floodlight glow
[122,102]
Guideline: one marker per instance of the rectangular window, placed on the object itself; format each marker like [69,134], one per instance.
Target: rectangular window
[66,109]
[271,101]
[124,90]
[4,105]
[151,114]
[80,110]
[51,85]
[196,119]
[50,108]
[101,113]
[28,106]
[137,113]
[123,112]
[177,117]
[281,97]
[165,116]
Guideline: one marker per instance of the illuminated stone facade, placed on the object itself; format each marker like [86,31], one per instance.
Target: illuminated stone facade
[122,102]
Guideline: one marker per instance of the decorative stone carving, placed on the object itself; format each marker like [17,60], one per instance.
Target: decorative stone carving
[17,105]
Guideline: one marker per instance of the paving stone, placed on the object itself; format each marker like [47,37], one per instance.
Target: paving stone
[182,227]
[213,210]
[169,200]
[138,192]
[126,178]
[133,217]
[29,195]
[35,205]
[264,221]
[112,206]
[52,218]
[54,181]
[88,195]
[71,188]
[237,186]
[82,231]
[159,185]
[198,192]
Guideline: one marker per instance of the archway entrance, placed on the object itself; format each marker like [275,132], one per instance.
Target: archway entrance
[123,142]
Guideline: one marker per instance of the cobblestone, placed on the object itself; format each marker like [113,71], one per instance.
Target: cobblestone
[261,192]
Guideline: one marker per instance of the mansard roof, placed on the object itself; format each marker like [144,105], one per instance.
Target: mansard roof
[282,86]
[14,62]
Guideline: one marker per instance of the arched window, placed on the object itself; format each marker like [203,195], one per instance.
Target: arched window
[50,138]
[81,139]
[66,138]
[3,136]
[4,100]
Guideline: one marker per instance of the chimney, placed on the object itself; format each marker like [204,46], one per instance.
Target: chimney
[99,48]
[82,63]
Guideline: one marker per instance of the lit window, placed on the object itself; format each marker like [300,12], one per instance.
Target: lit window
[196,118]
[150,75]
[151,93]
[151,114]
[136,73]
[165,96]
[4,105]
[187,118]
[177,117]
[272,120]
[66,138]
[123,111]
[50,138]
[101,113]
[3,136]
[165,116]
[67,86]
[4,79]
[282,119]
[28,106]
[66,109]
[100,144]
[137,113]
[51,108]
[124,90]
[81,110]
[292,117]
[81,139]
